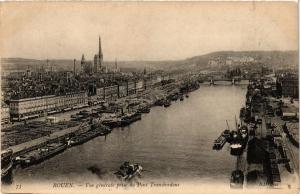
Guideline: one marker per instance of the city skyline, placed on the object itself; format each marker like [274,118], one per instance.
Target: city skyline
[145,31]
[149,96]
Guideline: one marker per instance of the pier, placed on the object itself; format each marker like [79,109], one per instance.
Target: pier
[271,148]
[39,142]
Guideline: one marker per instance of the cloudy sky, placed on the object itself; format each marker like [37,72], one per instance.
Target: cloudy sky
[144,31]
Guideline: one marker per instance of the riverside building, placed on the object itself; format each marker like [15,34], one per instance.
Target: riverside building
[26,108]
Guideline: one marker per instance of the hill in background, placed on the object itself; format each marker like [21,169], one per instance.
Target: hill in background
[271,59]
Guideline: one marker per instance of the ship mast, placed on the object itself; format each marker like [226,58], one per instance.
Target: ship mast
[227,125]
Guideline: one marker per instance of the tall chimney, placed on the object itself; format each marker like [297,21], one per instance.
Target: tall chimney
[74,66]
[100,49]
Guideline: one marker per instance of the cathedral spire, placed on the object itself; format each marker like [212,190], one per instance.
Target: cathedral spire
[100,49]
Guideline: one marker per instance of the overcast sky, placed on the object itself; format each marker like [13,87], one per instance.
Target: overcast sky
[144,31]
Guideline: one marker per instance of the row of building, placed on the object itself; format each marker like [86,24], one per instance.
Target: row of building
[27,108]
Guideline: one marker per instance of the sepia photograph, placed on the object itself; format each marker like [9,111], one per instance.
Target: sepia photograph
[149,97]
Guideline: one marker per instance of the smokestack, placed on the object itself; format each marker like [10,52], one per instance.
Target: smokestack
[74,67]
[100,49]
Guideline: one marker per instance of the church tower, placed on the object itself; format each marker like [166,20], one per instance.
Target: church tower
[82,62]
[100,52]
[98,59]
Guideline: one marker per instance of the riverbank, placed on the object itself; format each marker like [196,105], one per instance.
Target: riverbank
[271,161]
[63,135]
[171,143]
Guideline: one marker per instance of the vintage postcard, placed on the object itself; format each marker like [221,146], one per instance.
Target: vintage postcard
[149,97]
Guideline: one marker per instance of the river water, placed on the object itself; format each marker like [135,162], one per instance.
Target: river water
[173,143]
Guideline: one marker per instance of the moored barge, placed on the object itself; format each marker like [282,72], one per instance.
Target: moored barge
[41,154]
[6,164]
[129,118]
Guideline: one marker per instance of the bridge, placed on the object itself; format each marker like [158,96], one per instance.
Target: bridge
[212,80]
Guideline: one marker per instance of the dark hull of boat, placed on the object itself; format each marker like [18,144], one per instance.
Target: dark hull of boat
[236,185]
[37,160]
[6,178]
[237,180]
[6,172]
[159,104]
[173,97]
[87,137]
[144,110]
[112,124]
[131,119]
[236,151]
[219,146]
[127,177]
[105,133]
[167,104]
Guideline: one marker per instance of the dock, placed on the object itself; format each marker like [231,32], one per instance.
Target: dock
[36,143]
[270,157]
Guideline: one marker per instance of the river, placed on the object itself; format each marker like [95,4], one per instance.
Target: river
[173,143]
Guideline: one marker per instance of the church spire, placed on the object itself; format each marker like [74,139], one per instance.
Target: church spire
[100,49]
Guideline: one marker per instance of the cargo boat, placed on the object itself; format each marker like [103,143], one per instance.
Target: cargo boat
[237,179]
[105,130]
[226,133]
[219,143]
[82,138]
[167,103]
[81,115]
[128,171]
[173,97]
[243,132]
[6,164]
[144,109]
[239,140]
[98,130]
[236,147]
[159,102]
[129,118]
[41,154]
[112,122]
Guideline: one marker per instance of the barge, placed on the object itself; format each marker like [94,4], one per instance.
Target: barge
[237,179]
[128,171]
[41,154]
[6,164]
[129,118]
[144,109]
[112,122]
[96,130]
[167,103]
[219,143]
